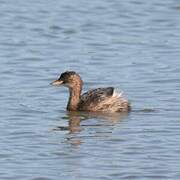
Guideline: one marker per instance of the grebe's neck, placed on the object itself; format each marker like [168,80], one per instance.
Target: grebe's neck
[74,98]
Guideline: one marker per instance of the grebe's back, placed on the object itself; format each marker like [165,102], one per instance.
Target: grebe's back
[103,99]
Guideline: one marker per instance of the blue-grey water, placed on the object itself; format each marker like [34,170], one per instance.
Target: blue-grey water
[133,45]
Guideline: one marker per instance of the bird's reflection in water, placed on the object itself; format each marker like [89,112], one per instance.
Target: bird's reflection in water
[75,118]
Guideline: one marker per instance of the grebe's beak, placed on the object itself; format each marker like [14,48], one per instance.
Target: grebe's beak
[57,82]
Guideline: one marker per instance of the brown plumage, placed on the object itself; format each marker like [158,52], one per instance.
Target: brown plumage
[100,99]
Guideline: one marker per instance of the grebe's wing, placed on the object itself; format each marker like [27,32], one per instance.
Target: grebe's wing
[103,99]
[94,96]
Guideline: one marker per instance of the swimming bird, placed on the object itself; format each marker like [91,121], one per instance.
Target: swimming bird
[95,100]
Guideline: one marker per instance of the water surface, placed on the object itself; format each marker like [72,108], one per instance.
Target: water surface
[133,45]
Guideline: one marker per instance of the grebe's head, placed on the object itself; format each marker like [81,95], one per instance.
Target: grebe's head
[69,78]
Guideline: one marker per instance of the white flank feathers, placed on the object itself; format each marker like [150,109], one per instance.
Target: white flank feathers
[117,93]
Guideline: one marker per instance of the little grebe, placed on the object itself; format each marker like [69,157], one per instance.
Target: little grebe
[100,99]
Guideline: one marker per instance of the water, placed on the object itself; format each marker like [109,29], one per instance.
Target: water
[133,45]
